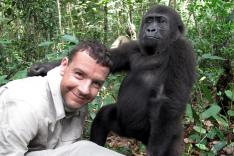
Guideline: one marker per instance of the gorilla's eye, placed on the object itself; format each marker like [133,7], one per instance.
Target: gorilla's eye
[162,20]
[149,20]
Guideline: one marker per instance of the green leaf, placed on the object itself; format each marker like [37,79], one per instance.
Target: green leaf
[219,133]
[2,79]
[195,137]
[5,42]
[212,111]
[71,39]
[211,134]
[230,112]
[20,74]
[55,56]
[211,57]
[218,146]
[199,129]
[207,93]
[189,112]
[230,94]
[45,44]
[221,121]
[92,115]
[202,147]
[108,100]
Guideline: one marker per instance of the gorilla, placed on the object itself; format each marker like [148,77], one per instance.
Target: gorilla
[152,97]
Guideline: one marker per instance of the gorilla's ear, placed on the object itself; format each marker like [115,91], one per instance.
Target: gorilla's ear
[181,28]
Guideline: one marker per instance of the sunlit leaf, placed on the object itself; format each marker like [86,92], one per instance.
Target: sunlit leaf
[20,74]
[218,146]
[71,39]
[211,57]
[92,115]
[213,110]
[108,100]
[189,112]
[202,147]
[230,112]
[221,121]
[230,94]
[2,79]
[199,129]
[45,44]
[5,41]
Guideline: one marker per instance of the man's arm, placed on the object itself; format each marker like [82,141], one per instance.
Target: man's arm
[18,126]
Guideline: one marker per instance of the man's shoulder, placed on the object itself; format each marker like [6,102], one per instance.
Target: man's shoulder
[27,89]
[27,84]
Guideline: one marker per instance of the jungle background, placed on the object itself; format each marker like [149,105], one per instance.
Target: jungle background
[43,30]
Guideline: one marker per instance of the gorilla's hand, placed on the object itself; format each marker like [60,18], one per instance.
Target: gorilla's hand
[41,69]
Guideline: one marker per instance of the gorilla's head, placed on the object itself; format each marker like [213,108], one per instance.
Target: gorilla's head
[160,27]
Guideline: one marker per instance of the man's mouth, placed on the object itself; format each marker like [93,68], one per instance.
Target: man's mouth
[79,97]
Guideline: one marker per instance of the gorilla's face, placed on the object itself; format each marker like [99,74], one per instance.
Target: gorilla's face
[159,28]
[155,29]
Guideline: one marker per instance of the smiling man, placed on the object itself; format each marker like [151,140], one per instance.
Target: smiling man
[44,115]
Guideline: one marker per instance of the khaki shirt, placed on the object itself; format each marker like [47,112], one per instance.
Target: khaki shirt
[32,116]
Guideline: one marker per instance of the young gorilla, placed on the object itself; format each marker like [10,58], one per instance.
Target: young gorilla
[153,96]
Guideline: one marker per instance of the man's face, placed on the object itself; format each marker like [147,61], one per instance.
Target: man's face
[82,79]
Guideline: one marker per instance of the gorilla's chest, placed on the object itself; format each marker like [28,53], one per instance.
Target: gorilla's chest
[144,79]
[137,88]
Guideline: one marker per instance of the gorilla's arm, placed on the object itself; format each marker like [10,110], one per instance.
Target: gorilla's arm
[121,56]
[41,69]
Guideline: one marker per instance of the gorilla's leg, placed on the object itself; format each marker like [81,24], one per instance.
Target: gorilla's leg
[176,145]
[166,129]
[165,140]
[104,122]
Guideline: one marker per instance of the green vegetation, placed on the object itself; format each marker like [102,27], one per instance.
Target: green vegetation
[42,30]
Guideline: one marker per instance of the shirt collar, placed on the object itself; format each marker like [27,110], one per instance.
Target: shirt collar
[54,79]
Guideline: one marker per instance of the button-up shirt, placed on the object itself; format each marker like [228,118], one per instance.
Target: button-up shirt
[32,116]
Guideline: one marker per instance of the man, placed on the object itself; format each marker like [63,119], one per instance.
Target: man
[44,115]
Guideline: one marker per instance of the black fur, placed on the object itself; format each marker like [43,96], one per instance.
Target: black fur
[41,69]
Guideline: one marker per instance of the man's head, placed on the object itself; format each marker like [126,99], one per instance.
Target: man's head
[84,72]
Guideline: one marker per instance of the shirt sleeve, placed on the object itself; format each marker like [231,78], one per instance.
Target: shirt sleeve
[18,125]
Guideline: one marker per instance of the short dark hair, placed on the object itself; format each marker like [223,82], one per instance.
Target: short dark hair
[95,50]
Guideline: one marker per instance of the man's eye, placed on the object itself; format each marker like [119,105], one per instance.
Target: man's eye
[97,84]
[79,74]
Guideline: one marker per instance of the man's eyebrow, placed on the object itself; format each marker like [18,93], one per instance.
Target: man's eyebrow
[79,70]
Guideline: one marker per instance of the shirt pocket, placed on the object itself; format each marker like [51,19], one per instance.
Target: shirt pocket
[72,129]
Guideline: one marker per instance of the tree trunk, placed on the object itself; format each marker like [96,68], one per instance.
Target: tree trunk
[59,16]
[105,23]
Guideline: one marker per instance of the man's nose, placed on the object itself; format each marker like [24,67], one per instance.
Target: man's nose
[84,87]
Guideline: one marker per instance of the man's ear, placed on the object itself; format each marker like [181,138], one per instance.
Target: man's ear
[63,65]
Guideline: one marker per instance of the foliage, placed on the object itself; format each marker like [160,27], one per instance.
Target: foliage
[42,30]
